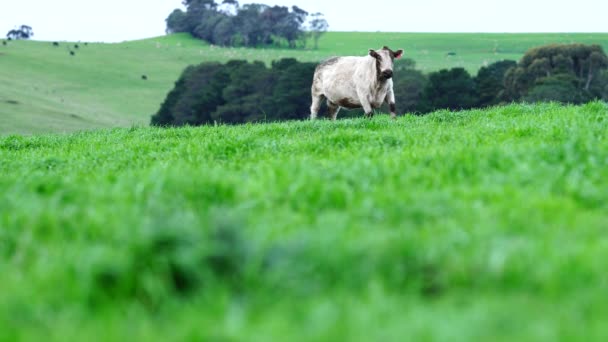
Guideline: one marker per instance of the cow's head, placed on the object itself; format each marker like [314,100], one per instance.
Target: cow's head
[384,61]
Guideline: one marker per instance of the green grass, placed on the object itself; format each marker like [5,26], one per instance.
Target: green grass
[476,225]
[44,89]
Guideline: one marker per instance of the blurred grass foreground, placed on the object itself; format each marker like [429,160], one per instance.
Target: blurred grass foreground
[484,224]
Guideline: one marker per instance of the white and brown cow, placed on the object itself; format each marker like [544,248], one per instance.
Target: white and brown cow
[355,82]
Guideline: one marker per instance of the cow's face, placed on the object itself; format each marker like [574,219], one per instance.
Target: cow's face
[384,61]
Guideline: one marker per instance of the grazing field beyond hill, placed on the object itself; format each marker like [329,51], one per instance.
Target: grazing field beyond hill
[475,225]
[43,88]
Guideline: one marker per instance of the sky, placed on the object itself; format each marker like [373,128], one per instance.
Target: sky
[120,20]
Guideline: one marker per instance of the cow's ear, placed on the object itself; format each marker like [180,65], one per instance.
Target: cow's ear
[398,53]
[373,53]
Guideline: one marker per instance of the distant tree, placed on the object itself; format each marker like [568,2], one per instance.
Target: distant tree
[12,34]
[244,93]
[250,27]
[26,31]
[176,22]
[290,95]
[197,93]
[224,32]
[449,89]
[490,82]
[166,115]
[205,29]
[198,12]
[273,21]
[408,85]
[317,27]
[279,24]
[232,24]
[560,87]
[297,19]
[541,66]
[23,32]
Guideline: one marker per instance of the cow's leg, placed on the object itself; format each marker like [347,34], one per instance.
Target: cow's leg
[365,102]
[316,104]
[367,108]
[333,110]
[390,100]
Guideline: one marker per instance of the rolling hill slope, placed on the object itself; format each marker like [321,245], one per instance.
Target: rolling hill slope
[45,89]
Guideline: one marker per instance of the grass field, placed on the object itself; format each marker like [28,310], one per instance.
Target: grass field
[44,89]
[476,225]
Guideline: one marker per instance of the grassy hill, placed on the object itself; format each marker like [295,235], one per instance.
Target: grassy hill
[45,89]
[477,225]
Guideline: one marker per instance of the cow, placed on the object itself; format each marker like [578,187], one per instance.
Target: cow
[355,82]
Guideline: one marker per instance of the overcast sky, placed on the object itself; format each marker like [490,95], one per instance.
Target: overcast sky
[118,20]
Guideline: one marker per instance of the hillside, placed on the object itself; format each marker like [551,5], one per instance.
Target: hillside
[477,225]
[45,89]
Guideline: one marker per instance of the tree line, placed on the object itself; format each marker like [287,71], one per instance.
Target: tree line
[240,91]
[229,24]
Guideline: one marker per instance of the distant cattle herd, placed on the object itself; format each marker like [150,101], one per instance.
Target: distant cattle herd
[70,50]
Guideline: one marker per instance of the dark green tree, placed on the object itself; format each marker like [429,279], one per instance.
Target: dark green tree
[280,25]
[244,94]
[560,87]
[208,22]
[165,115]
[541,66]
[251,29]
[449,89]
[290,96]
[176,22]
[224,32]
[197,93]
[408,85]
[490,82]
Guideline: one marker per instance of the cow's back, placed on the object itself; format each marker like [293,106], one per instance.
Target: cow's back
[334,77]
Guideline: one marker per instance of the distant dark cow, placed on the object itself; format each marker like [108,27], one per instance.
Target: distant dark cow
[76,46]
[355,82]
[144,77]
[55,43]
[72,53]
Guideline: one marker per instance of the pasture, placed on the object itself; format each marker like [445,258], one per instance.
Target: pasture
[45,89]
[476,225]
